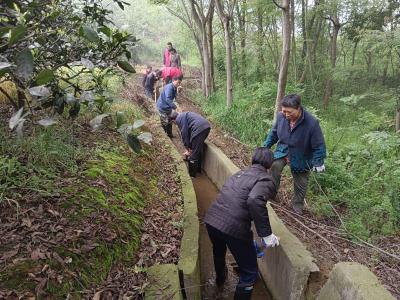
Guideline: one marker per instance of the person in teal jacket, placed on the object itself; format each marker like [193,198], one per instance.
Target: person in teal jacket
[300,144]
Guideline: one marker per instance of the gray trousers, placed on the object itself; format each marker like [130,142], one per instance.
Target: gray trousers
[300,182]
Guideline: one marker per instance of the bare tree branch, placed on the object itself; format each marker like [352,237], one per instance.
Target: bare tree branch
[276,3]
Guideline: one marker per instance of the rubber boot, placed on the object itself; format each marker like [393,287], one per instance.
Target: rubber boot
[243,292]
[169,130]
[165,128]
[199,162]
[221,271]
[192,166]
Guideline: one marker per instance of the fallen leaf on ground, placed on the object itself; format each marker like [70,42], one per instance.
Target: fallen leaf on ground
[37,254]
[9,254]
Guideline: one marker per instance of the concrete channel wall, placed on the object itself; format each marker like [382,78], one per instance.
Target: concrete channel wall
[189,262]
[164,282]
[352,281]
[288,269]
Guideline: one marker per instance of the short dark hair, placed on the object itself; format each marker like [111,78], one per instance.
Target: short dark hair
[292,100]
[175,78]
[262,156]
[169,43]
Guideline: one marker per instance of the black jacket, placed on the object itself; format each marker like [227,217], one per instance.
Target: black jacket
[243,199]
[190,125]
[150,81]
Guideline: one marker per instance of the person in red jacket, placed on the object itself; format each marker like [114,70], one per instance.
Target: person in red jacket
[167,73]
[167,55]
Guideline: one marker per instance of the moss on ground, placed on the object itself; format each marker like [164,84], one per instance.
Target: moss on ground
[123,200]
[112,184]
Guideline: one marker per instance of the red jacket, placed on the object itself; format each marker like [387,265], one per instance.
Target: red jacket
[170,72]
[167,58]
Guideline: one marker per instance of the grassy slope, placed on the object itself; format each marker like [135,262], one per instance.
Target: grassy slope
[82,193]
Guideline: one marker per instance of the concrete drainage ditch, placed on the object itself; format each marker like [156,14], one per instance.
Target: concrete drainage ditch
[287,271]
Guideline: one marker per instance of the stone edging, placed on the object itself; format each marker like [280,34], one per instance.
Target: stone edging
[164,281]
[353,281]
[189,261]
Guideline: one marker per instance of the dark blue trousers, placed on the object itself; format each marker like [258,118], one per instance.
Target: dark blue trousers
[243,252]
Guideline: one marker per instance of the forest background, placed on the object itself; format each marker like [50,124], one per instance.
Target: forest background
[343,58]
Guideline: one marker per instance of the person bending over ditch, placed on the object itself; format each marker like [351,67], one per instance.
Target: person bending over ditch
[167,73]
[166,105]
[150,81]
[242,200]
[194,130]
[300,145]
[146,73]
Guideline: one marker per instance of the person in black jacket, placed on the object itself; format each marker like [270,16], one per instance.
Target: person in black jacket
[194,131]
[146,72]
[242,199]
[150,81]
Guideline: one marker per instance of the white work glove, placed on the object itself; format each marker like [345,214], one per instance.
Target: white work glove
[319,169]
[270,241]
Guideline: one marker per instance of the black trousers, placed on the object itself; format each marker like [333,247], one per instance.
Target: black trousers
[198,144]
[244,253]
[149,93]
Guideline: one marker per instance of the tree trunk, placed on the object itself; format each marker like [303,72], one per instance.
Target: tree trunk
[398,118]
[286,32]
[203,82]
[386,67]
[328,87]
[241,14]
[293,51]
[353,55]
[368,59]
[211,46]
[201,22]
[229,75]
[235,64]
[260,52]
[304,29]
[309,31]
[207,66]
[226,17]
